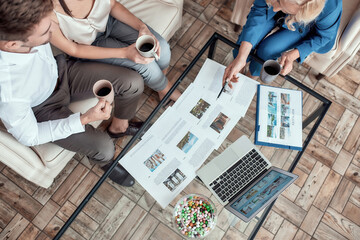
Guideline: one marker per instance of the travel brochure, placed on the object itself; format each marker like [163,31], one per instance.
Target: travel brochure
[279,117]
[165,161]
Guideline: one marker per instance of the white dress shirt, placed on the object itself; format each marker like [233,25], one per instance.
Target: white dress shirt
[26,80]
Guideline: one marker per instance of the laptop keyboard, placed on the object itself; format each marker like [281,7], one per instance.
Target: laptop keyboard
[238,175]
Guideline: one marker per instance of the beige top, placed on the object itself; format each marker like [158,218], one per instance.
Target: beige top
[84,30]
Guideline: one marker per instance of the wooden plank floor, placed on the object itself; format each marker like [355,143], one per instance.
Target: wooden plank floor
[324,203]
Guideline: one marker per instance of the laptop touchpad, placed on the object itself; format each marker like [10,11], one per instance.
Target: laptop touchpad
[228,158]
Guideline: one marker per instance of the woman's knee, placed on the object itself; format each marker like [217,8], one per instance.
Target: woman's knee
[153,77]
[165,54]
[156,82]
[274,45]
[165,51]
[266,51]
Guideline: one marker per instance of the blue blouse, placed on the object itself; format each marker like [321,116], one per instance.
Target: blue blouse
[318,36]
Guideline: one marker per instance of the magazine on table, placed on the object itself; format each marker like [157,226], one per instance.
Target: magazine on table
[279,117]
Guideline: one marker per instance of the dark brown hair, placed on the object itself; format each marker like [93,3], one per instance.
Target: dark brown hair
[19,17]
[65,7]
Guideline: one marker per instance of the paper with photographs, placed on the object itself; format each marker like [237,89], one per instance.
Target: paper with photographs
[238,97]
[166,158]
[161,172]
[183,137]
[279,117]
[206,113]
[191,143]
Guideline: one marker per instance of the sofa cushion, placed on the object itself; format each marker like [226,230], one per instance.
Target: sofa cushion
[149,11]
[332,61]
[48,152]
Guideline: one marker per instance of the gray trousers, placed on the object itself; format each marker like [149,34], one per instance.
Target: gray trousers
[119,35]
[76,79]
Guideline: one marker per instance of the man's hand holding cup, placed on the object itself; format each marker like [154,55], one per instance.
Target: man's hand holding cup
[101,111]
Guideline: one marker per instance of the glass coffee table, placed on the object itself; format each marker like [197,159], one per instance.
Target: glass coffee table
[134,214]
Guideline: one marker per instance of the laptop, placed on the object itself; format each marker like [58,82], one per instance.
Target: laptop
[242,179]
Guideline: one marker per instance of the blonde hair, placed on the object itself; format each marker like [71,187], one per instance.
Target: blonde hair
[308,11]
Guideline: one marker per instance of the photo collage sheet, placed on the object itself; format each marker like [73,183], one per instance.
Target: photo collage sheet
[164,162]
[280,116]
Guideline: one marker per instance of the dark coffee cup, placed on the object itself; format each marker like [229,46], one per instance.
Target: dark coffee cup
[145,45]
[270,70]
[103,89]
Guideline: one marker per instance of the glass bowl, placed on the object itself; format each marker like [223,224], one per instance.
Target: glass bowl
[194,216]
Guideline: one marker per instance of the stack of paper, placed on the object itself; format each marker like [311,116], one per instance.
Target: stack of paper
[165,160]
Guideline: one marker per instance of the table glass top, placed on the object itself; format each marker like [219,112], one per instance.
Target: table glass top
[116,212]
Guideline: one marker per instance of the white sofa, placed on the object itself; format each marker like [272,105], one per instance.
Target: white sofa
[346,46]
[42,163]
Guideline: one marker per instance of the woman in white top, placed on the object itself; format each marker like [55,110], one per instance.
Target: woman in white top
[104,30]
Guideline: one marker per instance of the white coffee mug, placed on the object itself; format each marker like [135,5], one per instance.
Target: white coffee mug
[269,71]
[146,45]
[103,89]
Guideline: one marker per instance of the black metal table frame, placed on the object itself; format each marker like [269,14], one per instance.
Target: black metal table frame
[318,114]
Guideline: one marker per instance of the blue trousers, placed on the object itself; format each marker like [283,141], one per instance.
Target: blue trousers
[119,35]
[272,46]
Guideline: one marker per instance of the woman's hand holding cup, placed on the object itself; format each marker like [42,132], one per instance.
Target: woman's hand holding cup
[147,46]
[134,55]
[144,30]
[287,59]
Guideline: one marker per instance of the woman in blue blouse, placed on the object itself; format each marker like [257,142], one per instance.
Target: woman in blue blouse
[309,26]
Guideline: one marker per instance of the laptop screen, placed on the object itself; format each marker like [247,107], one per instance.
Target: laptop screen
[254,199]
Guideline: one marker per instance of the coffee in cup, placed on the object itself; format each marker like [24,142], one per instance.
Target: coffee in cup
[146,45]
[269,71]
[103,89]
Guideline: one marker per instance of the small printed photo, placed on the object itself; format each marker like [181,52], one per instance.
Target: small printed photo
[155,160]
[246,209]
[219,123]
[187,142]
[270,131]
[200,108]
[272,108]
[174,180]
[285,121]
[282,133]
[251,193]
[272,97]
[271,120]
[285,98]
[262,183]
[285,110]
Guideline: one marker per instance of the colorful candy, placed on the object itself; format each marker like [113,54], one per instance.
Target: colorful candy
[194,216]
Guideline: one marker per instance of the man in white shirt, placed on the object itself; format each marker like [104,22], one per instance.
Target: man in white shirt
[35,89]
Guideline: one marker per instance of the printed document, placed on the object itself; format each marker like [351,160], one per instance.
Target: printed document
[164,162]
